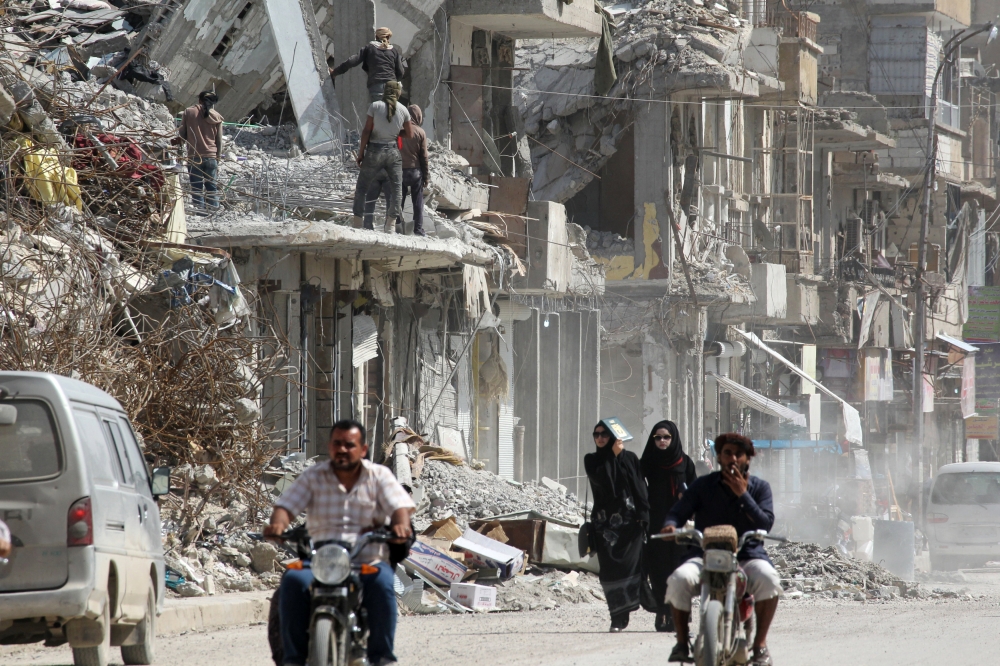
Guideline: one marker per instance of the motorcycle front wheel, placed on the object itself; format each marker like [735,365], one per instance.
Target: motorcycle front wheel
[711,632]
[325,645]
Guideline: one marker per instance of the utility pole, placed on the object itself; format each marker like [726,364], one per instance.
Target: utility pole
[921,308]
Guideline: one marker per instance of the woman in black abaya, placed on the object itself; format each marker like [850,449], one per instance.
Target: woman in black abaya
[619,521]
[668,471]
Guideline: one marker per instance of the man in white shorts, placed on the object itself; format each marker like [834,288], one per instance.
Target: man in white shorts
[727,497]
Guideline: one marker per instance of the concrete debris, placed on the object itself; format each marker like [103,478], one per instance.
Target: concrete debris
[267,176]
[658,43]
[467,494]
[608,243]
[97,282]
[807,571]
[548,589]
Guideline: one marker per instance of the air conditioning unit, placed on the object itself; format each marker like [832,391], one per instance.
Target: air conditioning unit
[853,235]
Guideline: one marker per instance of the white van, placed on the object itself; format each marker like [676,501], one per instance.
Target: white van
[963,515]
[87,562]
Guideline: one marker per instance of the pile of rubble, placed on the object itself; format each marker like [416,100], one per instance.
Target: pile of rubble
[548,589]
[265,173]
[608,243]
[807,571]
[468,494]
[97,282]
[575,129]
[222,557]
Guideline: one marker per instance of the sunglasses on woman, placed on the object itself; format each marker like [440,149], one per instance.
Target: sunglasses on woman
[601,434]
[662,438]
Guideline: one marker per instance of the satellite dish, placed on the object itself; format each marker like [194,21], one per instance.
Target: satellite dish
[761,232]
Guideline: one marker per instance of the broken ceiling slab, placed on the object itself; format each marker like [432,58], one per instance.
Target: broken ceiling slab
[451,192]
[530,19]
[881,180]
[395,251]
[312,94]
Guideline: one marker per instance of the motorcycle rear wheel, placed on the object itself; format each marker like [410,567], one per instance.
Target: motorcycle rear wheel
[712,652]
[325,643]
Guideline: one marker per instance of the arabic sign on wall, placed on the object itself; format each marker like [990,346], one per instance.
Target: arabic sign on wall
[987,378]
[984,315]
[982,427]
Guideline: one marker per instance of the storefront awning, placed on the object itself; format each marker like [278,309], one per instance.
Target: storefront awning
[757,401]
[852,419]
[961,345]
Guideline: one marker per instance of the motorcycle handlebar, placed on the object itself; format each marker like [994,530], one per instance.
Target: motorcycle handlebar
[380,535]
[697,537]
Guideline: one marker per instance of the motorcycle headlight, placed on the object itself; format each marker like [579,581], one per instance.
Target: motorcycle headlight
[331,564]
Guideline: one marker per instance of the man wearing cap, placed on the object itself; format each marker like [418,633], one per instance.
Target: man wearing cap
[380,59]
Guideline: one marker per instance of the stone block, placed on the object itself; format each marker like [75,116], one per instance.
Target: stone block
[95,45]
[262,557]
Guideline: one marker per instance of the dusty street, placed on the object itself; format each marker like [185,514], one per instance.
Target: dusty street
[963,632]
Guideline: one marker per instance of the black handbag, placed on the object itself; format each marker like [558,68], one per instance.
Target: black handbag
[585,535]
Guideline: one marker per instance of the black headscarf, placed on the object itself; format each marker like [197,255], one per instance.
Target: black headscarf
[606,454]
[666,472]
[653,455]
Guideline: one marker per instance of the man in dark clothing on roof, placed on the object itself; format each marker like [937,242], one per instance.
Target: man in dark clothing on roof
[201,129]
[727,497]
[380,59]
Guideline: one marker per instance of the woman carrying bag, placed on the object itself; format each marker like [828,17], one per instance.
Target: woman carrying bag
[668,471]
[618,522]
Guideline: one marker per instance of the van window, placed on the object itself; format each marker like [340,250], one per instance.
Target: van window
[967,488]
[29,449]
[115,437]
[135,456]
[95,447]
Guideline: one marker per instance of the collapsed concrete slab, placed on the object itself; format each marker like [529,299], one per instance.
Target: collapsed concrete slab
[303,63]
[397,252]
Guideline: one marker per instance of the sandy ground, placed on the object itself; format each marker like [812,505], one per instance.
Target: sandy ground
[818,632]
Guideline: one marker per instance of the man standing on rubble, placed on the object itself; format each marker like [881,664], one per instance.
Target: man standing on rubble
[388,124]
[380,59]
[342,498]
[416,173]
[727,497]
[201,128]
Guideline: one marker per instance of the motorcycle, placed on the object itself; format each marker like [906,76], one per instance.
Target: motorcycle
[726,610]
[338,631]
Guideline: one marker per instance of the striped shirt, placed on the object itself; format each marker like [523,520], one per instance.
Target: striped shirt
[337,514]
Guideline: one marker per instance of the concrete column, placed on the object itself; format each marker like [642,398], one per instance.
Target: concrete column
[354,26]
[651,180]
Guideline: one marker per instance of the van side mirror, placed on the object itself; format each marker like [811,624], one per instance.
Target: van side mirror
[159,485]
[8,415]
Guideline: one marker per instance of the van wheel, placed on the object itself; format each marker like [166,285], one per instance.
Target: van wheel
[101,654]
[142,652]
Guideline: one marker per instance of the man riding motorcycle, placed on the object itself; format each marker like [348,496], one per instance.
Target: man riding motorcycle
[727,497]
[344,497]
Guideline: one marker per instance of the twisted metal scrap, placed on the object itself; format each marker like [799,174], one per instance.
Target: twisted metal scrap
[68,282]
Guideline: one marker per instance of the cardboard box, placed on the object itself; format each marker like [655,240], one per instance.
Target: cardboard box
[484,552]
[476,597]
[435,565]
[528,535]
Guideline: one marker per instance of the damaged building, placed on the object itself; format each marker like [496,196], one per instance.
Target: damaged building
[707,212]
